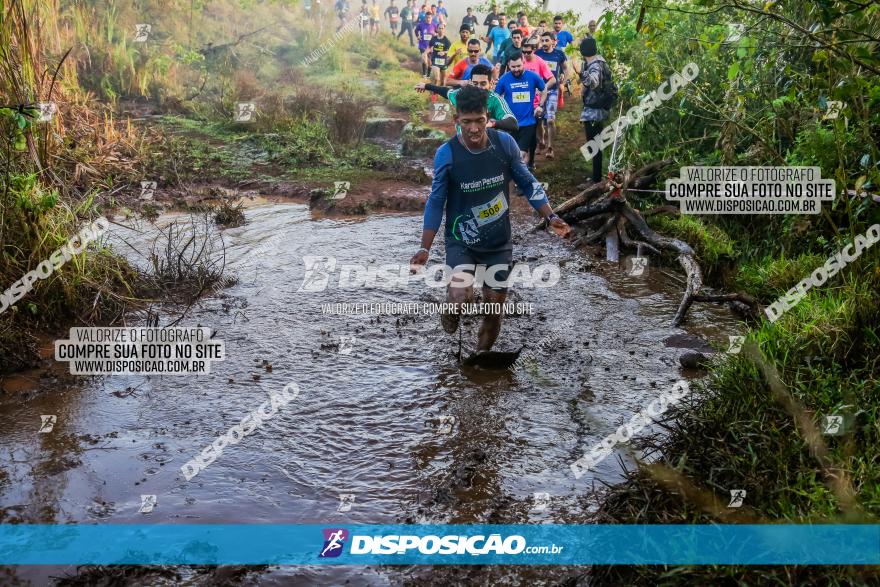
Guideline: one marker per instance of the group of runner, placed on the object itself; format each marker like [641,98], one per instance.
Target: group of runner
[506,87]
[526,71]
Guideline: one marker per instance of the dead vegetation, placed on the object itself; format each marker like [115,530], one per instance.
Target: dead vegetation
[229,215]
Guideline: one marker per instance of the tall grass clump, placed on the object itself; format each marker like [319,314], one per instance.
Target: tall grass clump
[40,207]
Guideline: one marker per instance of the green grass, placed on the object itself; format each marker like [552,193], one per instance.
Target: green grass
[709,241]
[397,92]
[736,433]
[768,278]
[91,286]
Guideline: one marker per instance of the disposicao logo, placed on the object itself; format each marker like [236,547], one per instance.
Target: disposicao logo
[334,540]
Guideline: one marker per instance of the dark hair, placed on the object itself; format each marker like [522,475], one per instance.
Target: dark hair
[517,32]
[520,14]
[481,69]
[588,47]
[464,28]
[558,17]
[471,100]
[550,34]
[474,41]
[514,56]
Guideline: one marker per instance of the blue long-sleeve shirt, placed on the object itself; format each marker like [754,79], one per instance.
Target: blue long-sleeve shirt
[523,178]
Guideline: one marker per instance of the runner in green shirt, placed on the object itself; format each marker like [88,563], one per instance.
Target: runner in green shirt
[500,115]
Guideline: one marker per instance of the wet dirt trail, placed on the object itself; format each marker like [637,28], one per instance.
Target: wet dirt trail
[369,421]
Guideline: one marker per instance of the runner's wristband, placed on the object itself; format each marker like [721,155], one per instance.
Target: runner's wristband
[424,249]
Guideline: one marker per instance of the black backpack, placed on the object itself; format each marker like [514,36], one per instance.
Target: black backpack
[605,96]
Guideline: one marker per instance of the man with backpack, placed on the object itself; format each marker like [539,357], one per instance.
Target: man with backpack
[599,94]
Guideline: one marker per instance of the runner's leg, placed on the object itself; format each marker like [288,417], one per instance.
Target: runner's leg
[592,130]
[532,146]
[549,118]
[491,326]
[461,287]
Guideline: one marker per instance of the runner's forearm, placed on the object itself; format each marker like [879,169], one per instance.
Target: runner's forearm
[545,211]
[528,185]
[428,238]
[436,203]
[441,90]
[509,124]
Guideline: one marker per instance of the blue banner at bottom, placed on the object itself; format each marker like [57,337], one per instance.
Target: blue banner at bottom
[546,544]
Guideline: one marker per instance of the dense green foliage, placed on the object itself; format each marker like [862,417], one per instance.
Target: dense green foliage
[769,74]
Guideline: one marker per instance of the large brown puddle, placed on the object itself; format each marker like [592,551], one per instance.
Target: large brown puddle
[367,423]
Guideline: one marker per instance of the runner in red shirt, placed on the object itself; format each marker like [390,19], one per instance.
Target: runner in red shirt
[461,73]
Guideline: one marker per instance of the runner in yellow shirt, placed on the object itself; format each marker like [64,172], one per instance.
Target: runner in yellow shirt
[458,49]
[374,19]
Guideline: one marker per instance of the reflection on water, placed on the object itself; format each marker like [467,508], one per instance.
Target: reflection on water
[394,422]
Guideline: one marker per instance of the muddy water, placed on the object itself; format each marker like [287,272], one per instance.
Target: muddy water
[367,423]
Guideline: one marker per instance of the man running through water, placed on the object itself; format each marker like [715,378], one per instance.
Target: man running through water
[425,33]
[500,116]
[472,172]
[439,54]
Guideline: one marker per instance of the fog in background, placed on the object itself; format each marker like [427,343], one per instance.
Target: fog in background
[586,8]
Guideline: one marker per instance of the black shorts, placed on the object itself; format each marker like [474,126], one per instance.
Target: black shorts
[458,254]
[526,137]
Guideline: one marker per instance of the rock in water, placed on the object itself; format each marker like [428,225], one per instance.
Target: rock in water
[693,360]
[688,341]
[492,359]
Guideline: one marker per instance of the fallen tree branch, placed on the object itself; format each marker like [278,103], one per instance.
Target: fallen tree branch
[627,241]
[601,231]
[602,206]
[575,201]
[685,259]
